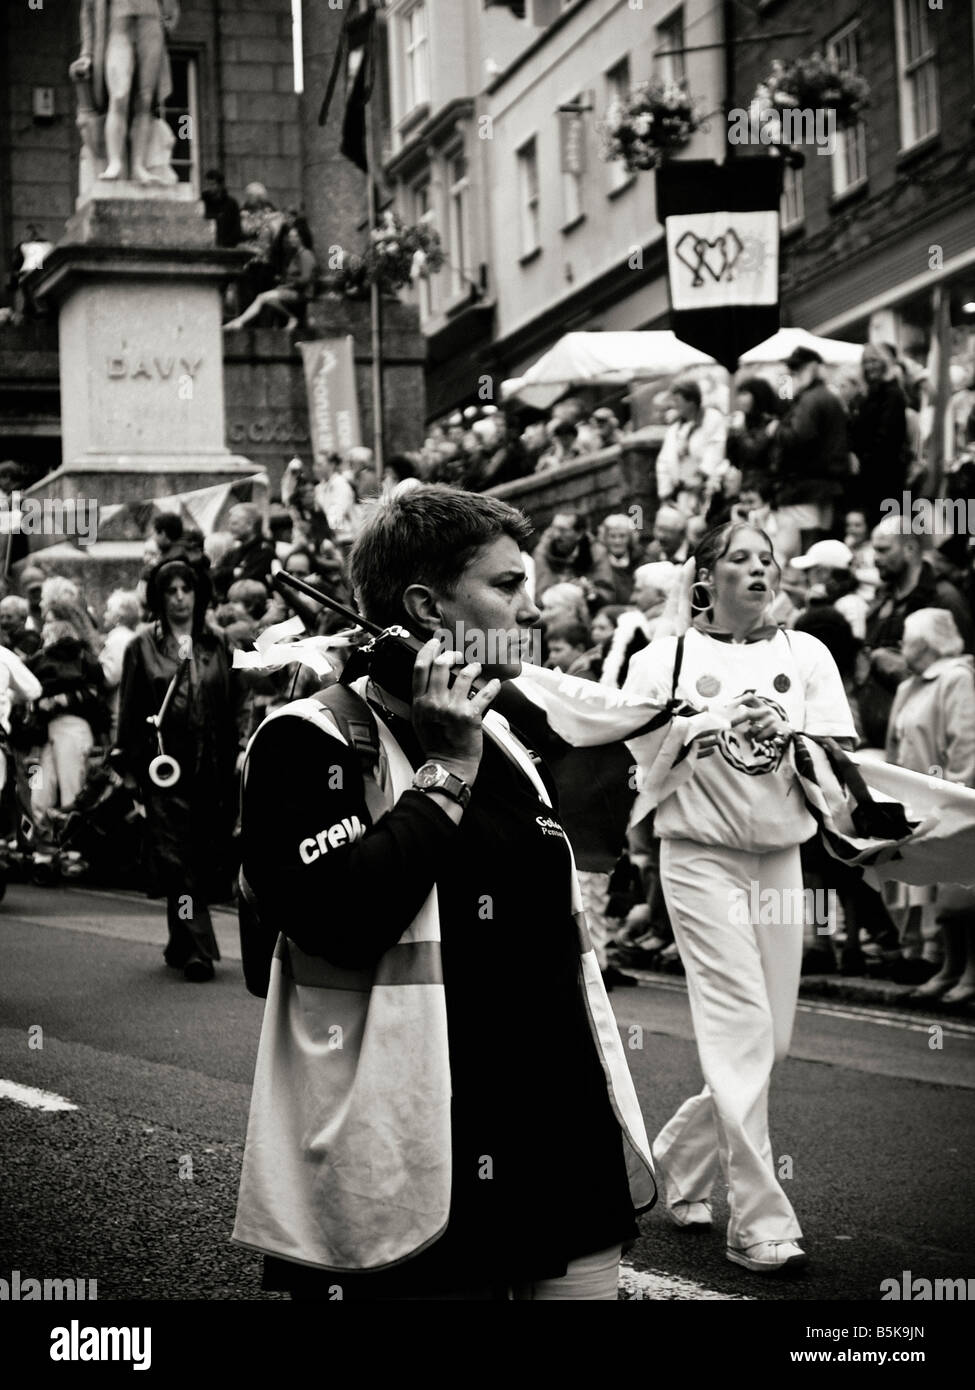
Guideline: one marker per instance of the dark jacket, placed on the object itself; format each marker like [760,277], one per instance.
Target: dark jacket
[67,668]
[508,1100]
[751,449]
[225,211]
[249,560]
[189,824]
[885,628]
[811,453]
[878,437]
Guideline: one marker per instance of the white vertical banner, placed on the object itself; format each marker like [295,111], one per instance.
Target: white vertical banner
[333,405]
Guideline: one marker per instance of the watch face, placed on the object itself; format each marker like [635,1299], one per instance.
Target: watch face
[430,775]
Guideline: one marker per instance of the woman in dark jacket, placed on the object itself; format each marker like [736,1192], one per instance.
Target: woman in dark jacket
[878,433]
[189,822]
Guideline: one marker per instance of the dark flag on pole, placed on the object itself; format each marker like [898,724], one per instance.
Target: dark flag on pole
[355,59]
[721,222]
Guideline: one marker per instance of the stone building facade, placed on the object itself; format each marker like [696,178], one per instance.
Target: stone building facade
[235,107]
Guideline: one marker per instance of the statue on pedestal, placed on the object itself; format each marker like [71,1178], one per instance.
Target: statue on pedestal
[122,76]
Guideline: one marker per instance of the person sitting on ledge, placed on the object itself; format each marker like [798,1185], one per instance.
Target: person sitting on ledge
[297,287]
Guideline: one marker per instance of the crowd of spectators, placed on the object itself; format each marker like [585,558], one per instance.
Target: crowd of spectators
[895,610]
[483,446]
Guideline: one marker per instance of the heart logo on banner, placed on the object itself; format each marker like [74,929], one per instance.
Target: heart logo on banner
[695,252]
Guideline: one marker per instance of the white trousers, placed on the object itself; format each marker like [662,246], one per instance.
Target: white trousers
[743,983]
[63,762]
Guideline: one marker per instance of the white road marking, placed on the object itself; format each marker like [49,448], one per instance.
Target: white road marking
[879,1014]
[33,1098]
[655,1284]
[915,1023]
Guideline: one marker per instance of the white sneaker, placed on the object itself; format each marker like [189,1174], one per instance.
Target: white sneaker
[769,1256]
[690,1214]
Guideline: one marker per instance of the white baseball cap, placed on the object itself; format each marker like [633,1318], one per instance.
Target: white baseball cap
[833,555]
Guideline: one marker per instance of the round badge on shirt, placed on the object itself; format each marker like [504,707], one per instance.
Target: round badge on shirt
[782,683]
[708,686]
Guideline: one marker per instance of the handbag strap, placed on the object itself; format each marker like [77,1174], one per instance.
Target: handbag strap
[678,663]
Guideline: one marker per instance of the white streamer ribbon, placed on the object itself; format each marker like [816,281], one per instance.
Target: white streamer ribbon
[275,649]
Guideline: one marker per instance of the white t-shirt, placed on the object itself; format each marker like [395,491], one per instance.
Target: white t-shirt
[744,796]
[336,498]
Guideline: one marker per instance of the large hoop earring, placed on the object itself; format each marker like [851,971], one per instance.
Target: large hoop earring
[702,607]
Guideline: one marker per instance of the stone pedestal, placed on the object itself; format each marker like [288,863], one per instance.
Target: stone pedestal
[138,283]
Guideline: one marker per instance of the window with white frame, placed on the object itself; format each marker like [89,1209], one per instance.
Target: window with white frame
[528,198]
[917,72]
[792,209]
[416,56]
[181,112]
[458,195]
[425,284]
[669,65]
[618,89]
[850,158]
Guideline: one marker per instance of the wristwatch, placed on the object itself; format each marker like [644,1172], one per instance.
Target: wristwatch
[431,777]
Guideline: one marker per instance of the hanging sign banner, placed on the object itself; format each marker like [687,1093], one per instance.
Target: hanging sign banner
[721,223]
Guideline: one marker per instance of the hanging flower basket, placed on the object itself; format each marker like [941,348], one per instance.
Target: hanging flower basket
[815,83]
[397,255]
[652,123]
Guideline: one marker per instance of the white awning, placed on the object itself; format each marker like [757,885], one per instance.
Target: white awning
[602,359]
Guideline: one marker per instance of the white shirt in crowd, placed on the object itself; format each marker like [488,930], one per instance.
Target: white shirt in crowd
[16,680]
[335,497]
[744,796]
[691,454]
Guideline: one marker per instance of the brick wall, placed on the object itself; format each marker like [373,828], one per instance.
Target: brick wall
[952,28]
[39,170]
[259,108]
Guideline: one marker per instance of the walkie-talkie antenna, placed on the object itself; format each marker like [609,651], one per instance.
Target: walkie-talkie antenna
[282,581]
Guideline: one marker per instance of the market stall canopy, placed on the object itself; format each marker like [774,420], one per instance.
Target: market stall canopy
[602,359]
[833,351]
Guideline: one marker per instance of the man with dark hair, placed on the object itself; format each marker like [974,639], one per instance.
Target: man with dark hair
[167,530]
[567,552]
[221,208]
[426,536]
[810,457]
[407,1110]
[192,543]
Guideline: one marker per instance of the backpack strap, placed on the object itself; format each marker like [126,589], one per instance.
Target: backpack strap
[356,721]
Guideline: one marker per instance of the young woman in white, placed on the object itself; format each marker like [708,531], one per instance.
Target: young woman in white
[729,835]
